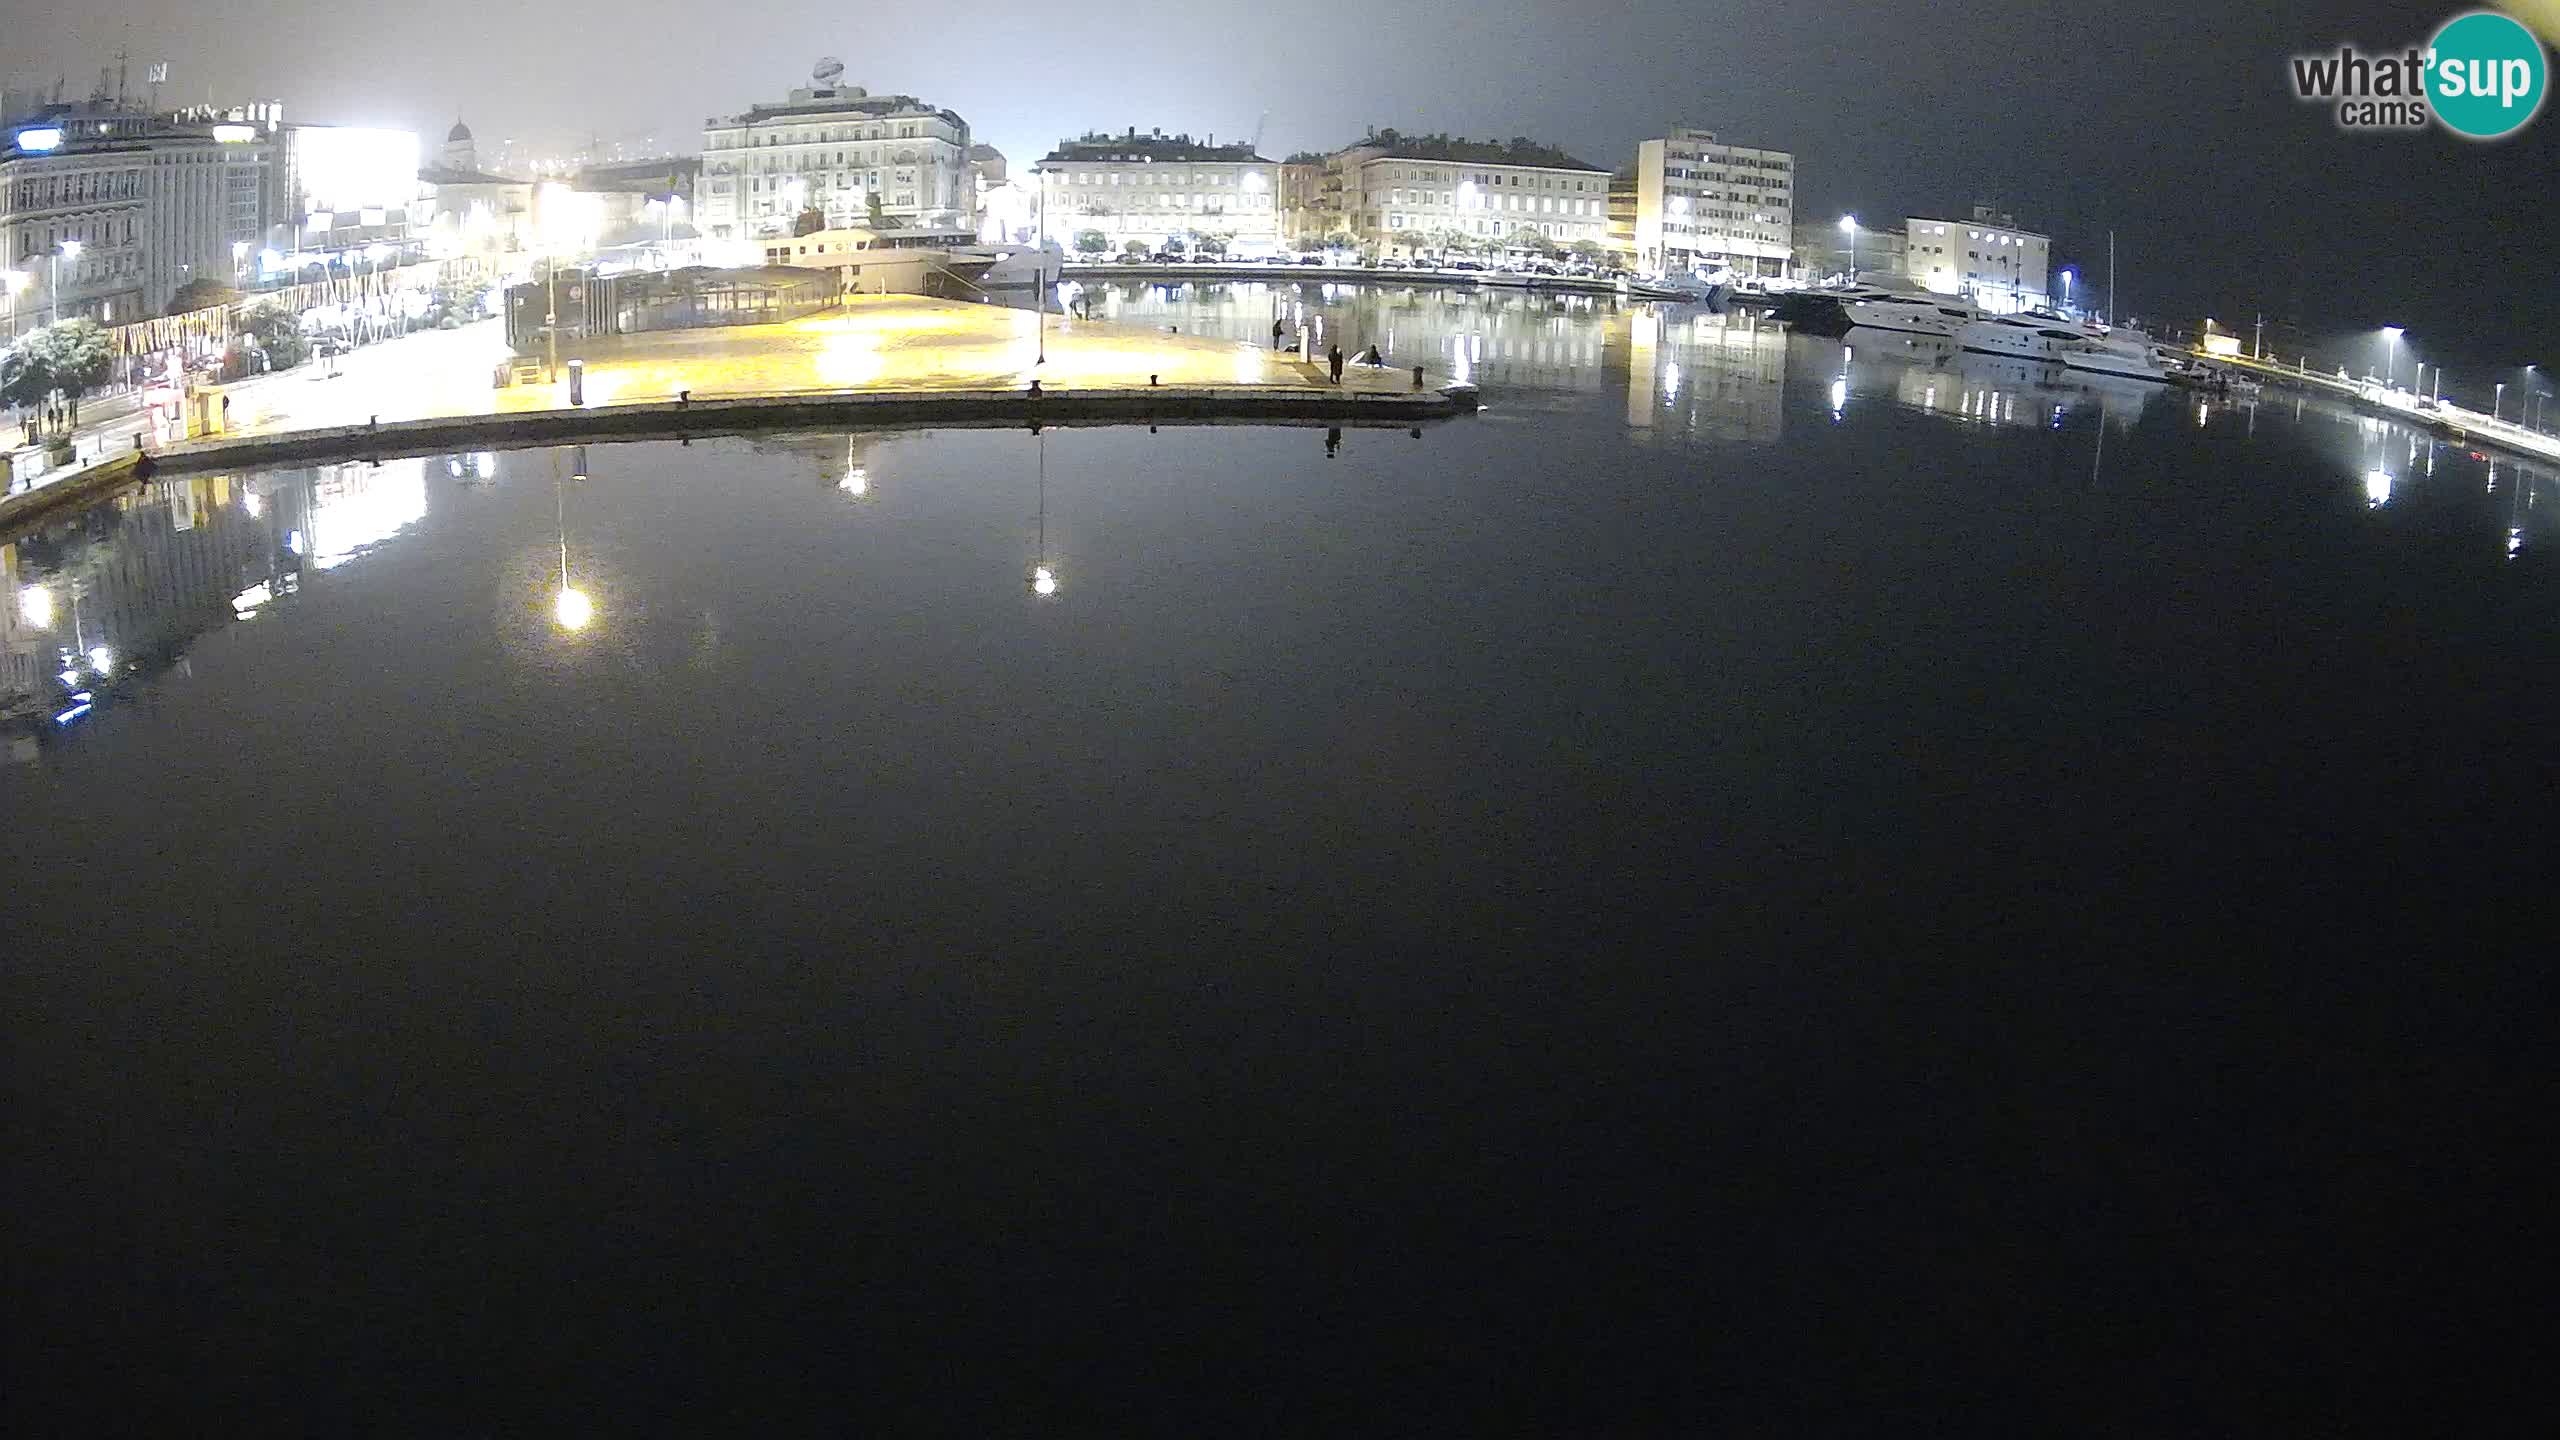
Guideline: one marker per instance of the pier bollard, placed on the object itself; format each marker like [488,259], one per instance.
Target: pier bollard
[577,382]
[1035,388]
[1151,380]
[1417,377]
[684,398]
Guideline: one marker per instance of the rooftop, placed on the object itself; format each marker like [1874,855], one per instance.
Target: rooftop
[1518,150]
[1154,145]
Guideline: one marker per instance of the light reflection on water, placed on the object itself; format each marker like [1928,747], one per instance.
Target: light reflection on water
[140,578]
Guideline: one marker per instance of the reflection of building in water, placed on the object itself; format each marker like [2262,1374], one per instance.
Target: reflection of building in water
[120,588]
[357,506]
[1717,376]
[832,462]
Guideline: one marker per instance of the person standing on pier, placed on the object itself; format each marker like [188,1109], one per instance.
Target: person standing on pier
[1333,358]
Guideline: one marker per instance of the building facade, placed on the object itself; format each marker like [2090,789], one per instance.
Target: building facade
[1400,194]
[208,213]
[1987,258]
[74,223]
[835,149]
[1703,204]
[1623,197]
[1153,189]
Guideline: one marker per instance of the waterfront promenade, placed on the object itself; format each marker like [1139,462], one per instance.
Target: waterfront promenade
[878,359]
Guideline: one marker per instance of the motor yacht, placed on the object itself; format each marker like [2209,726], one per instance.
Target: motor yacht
[2125,352]
[2027,336]
[1913,312]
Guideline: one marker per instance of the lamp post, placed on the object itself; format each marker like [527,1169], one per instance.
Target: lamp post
[1849,224]
[2067,278]
[2497,399]
[71,249]
[2390,353]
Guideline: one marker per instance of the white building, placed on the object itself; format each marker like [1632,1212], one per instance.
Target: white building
[1702,204]
[72,210]
[1987,258]
[1154,188]
[208,214]
[1401,193]
[834,149]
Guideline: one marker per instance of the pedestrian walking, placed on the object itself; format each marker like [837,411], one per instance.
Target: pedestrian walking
[1276,328]
[1333,357]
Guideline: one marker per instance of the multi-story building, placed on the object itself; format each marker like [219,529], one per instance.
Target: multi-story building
[1305,220]
[1412,193]
[73,221]
[835,149]
[1623,197]
[1988,258]
[208,209]
[1703,204]
[1155,188]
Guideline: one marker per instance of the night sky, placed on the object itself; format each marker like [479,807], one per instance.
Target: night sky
[2175,126]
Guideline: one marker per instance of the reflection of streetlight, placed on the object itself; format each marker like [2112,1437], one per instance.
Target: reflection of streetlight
[35,606]
[1044,581]
[572,609]
[101,659]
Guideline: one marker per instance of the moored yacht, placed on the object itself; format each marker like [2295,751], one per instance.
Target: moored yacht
[2125,352]
[2028,336]
[1915,312]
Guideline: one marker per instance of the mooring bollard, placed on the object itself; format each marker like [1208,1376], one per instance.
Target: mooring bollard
[1417,377]
[684,398]
[1035,389]
[1151,380]
[577,382]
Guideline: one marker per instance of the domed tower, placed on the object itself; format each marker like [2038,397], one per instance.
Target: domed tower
[459,152]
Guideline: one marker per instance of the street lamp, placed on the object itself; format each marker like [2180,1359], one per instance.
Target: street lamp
[1849,223]
[2497,399]
[2390,354]
[2067,278]
[69,248]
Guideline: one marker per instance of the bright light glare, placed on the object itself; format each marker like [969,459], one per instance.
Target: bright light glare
[41,138]
[2377,488]
[35,606]
[1839,395]
[1848,224]
[345,168]
[1044,581]
[71,249]
[574,609]
[102,659]
[856,482]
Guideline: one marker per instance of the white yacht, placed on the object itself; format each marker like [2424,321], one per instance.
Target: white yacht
[1913,312]
[2125,352]
[2028,336]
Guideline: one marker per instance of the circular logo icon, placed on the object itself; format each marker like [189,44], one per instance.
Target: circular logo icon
[2486,75]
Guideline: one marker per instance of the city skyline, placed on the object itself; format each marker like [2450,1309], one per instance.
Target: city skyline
[2042,114]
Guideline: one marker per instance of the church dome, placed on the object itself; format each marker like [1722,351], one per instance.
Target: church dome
[459,131]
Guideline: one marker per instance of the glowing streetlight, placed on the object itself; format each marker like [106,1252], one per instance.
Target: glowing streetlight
[574,609]
[2067,278]
[1044,581]
[35,606]
[2391,353]
[1849,227]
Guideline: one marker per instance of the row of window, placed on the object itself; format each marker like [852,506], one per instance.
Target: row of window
[1487,180]
[1718,177]
[46,191]
[1536,204]
[38,242]
[1185,202]
[1738,162]
[1155,177]
[812,135]
[785,164]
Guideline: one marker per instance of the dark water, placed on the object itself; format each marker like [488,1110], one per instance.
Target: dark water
[1712,890]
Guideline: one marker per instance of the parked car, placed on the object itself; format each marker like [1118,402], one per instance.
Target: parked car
[1472,265]
[1391,263]
[1311,259]
[1131,257]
